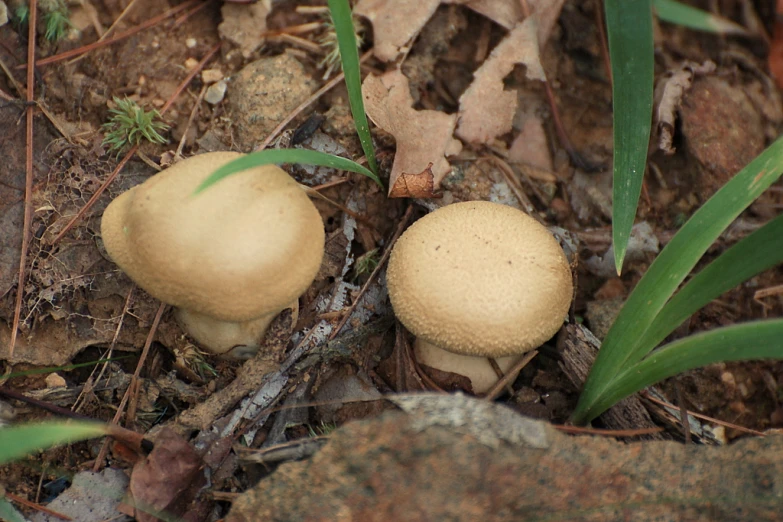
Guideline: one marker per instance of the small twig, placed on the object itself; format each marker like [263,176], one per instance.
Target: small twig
[28,182]
[109,30]
[89,385]
[320,92]
[133,384]
[32,505]
[192,117]
[579,430]
[397,233]
[510,375]
[737,427]
[133,149]
[121,36]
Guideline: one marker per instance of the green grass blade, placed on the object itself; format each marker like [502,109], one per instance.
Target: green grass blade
[349,56]
[630,32]
[743,342]
[278,156]
[687,16]
[8,512]
[19,441]
[757,252]
[624,343]
[52,369]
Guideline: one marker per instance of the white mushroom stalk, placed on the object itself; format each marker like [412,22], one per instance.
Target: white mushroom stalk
[230,258]
[476,280]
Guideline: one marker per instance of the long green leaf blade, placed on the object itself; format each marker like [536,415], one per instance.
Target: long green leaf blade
[18,441]
[687,16]
[349,56]
[8,512]
[624,343]
[743,342]
[278,156]
[629,29]
[755,253]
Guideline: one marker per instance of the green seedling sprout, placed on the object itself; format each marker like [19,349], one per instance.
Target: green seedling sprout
[129,125]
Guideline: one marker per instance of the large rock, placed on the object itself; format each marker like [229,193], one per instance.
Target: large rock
[464,459]
[263,94]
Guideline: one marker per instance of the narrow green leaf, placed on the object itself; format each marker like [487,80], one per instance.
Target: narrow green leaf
[349,56]
[687,16]
[625,342]
[630,32]
[278,156]
[18,441]
[743,342]
[51,369]
[755,253]
[8,512]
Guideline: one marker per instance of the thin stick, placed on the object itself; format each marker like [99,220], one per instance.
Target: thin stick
[397,233]
[28,182]
[133,149]
[190,121]
[109,30]
[121,36]
[133,384]
[510,375]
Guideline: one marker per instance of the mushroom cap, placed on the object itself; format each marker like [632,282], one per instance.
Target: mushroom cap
[245,247]
[480,278]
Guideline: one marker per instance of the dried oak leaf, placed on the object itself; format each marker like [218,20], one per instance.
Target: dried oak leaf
[397,22]
[486,109]
[168,479]
[423,137]
[421,185]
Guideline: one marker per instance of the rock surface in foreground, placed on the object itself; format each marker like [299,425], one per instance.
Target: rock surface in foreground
[477,461]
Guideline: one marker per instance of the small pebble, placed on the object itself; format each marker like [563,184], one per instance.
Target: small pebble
[216,92]
[211,75]
[190,43]
[54,380]
[191,64]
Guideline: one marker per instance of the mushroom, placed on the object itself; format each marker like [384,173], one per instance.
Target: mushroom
[478,280]
[230,258]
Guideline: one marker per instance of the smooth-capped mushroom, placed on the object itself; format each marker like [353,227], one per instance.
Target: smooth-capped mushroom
[229,258]
[478,280]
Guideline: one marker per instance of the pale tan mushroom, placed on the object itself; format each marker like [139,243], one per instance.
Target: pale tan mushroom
[230,258]
[476,280]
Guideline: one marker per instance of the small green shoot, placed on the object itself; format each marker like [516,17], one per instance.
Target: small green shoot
[57,23]
[323,430]
[366,263]
[22,14]
[628,359]
[129,124]
[328,41]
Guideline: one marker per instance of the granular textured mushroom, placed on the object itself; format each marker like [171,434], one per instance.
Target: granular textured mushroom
[479,278]
[230,258]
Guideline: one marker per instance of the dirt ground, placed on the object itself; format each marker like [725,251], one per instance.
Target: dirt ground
[78,307]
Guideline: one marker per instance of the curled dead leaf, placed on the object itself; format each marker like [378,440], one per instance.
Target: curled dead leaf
[419,185]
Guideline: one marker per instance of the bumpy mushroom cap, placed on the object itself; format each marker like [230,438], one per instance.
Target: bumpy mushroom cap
[231,257]
[480,279]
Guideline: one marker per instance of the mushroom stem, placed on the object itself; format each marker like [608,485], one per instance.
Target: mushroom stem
[241,338]
[478,369]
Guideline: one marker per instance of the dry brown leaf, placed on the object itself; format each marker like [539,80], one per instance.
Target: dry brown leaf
[419,185]
[531,145]
[243,24]
[423,137]
[486,108]
[397,22]
[168,479]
